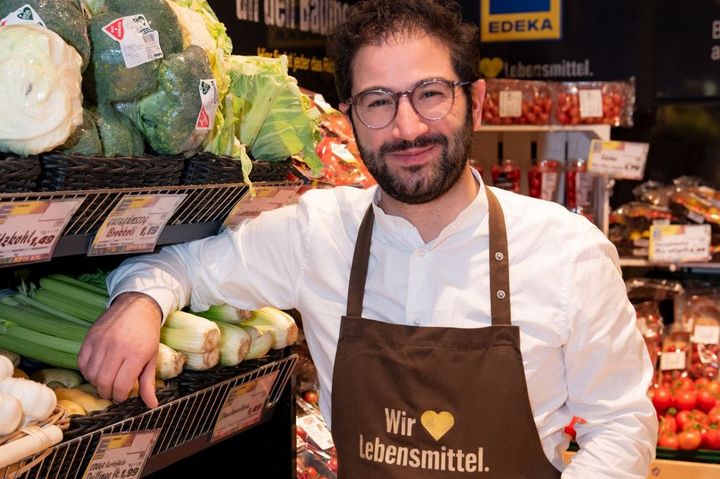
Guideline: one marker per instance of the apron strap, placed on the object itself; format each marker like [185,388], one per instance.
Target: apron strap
[498,252]
[359,269]
[499,263]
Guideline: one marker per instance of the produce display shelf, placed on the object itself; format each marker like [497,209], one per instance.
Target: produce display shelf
[600,131]
[201,213]
[185,425]
[644,263]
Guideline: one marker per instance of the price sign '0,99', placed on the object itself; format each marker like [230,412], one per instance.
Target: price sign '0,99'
[135,224]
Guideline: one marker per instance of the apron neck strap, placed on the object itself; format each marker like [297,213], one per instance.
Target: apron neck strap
[499,263]
[499,271]
[359,269]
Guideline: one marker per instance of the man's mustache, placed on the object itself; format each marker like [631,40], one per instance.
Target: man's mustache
[419,142]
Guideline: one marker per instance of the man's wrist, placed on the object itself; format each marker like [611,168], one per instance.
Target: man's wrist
[139,296]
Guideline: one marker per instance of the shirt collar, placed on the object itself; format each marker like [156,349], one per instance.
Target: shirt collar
[399,230]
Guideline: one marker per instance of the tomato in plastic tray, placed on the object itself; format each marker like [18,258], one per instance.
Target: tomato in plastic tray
[310,465]
[594,103]
[698,205]
[516,102]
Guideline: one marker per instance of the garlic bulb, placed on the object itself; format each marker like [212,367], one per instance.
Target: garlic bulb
[6,367]
[38,401]
[11,414]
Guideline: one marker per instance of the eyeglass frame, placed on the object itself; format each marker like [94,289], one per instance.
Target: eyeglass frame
[408,93]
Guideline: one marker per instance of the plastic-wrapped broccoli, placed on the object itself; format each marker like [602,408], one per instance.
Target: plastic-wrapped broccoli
[159,16]
[108,77]
[118,135]
[64,17]
[85,140]
[177,117]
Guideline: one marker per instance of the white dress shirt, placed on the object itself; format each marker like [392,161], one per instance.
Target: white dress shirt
[581,350]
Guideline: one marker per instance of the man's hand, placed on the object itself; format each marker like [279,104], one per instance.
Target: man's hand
[121,347]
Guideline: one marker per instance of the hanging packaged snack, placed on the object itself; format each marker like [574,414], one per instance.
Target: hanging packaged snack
[516,102]
[594,103]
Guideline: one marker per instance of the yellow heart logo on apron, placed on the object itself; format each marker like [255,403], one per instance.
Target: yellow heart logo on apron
[437,424]
[491,67]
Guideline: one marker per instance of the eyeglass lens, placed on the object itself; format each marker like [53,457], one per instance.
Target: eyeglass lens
[432,100]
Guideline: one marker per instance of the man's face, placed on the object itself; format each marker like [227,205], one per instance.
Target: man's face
[414,160]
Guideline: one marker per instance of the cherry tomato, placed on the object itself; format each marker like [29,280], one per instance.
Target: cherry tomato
[689,439]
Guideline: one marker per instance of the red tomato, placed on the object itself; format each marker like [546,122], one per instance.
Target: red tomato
[706,400]
[661,398]
[684,419]
[685,400]
[714,388]
[714,414]
[669,440]
[667,424]
[311,472]
[332,464]
[311,396]
[711,440]
[689,439]
[701,383]
[683,383]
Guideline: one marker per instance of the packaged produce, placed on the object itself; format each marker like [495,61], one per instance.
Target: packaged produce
[629,227]
[506,173]
[702,318]
[650,324]
[588,103]
[543,177]
[516,102]
[674,357]
[40,82]
[579,188]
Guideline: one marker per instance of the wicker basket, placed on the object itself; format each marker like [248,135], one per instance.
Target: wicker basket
[18,173]
[207,168]
[58,418]
[73,172]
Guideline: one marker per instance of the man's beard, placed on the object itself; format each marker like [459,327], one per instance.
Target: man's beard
[441,175]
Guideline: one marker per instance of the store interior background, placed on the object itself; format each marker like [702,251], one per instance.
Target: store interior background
[665,45]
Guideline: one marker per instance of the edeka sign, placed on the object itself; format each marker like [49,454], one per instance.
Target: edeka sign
[513,20]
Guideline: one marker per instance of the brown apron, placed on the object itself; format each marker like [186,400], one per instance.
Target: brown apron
[432,402]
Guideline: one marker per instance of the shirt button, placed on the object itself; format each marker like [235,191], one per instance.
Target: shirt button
[416,322]
[421,252]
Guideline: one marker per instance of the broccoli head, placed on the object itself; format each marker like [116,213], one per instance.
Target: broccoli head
[118,135]
[113,81]
[64,17]
[167,117]
[159,16]
[85,139]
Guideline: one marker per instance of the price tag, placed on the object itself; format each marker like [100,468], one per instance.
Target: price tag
[243,406]
[706,334]
[139,43]
[679,243]
[316,430]
[591,105]
[510,103]
[121,456]
[135,224]
[266,198]
[618,159]
[30,230]
[548,185]
[672,360]
[25,15]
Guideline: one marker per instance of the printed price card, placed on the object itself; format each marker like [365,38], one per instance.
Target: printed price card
[243,406]
[30,230]
[266,198]
[316,430]
[706,334]
[618,159]
[679,243]
[135,224]
[591,105]
[510,103]
[671,360]
[121,456]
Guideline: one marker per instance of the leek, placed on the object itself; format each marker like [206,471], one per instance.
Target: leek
[234,344]
[225,312]
[202,361]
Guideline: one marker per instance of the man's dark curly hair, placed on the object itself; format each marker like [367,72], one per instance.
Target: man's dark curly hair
[371,22]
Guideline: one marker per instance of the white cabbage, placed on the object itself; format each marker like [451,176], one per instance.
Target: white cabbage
[41,99]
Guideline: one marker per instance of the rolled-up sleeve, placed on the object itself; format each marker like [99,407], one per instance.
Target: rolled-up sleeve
[608,368]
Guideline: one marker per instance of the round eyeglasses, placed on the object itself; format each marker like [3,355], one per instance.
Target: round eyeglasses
[431,99]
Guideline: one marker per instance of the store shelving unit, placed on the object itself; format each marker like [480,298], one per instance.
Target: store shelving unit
[186,422]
